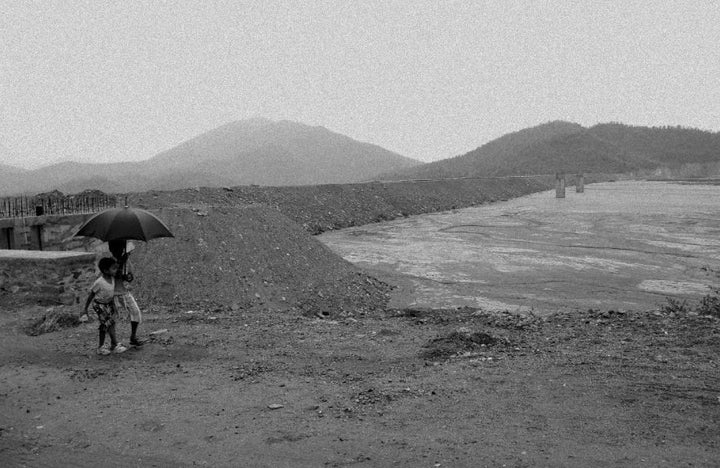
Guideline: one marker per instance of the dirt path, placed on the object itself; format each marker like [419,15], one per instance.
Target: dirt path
[407,388]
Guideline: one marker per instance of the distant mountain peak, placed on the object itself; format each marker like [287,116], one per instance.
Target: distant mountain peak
[258,126]
[559,123]
[256,121]
[265,152]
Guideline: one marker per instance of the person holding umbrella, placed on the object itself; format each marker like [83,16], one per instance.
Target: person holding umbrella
[116,226]
[125,302]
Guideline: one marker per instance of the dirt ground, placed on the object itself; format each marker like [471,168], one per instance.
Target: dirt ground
[269,382]
[399,388]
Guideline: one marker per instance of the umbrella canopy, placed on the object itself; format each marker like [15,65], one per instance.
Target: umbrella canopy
[123,224]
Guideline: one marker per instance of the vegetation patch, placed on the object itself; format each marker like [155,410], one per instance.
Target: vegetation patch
[51,321]
[709,305]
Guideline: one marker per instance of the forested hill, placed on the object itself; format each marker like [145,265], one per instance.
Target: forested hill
[568,147]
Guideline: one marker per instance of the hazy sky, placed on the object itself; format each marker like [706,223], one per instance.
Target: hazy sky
[124,80]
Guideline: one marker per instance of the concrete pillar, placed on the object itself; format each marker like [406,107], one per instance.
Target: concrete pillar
[580,184]
[559,185]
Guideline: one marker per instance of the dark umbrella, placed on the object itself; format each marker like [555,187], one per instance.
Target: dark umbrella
[124,224]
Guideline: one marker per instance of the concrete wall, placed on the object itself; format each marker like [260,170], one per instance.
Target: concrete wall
[54,233]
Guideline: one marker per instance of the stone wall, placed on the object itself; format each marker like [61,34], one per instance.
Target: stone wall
[46,278]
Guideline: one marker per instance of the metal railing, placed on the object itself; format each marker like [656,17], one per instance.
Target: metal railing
[26,206]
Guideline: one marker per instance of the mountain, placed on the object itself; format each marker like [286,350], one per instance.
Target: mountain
[255,151]
[497,157]
[568,147]
[263,152]
[650,146]
[74,177]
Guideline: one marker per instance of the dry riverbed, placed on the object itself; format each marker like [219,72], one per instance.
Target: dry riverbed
[624,245]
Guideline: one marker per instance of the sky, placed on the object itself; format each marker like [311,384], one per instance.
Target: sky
[110,81]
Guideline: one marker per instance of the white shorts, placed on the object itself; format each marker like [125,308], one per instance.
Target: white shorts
[127,307]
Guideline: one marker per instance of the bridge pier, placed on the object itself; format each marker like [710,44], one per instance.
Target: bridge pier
[559,185]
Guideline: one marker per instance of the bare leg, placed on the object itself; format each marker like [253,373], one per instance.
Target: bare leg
[133,330]
[101,335]
[113,338]
[133,334]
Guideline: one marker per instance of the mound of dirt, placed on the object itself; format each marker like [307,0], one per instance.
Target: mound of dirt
[247,257]
[458,342]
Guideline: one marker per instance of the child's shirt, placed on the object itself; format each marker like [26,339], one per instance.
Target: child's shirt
[103,290]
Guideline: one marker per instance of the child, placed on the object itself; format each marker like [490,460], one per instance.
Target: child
[101,297]
[124,301]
